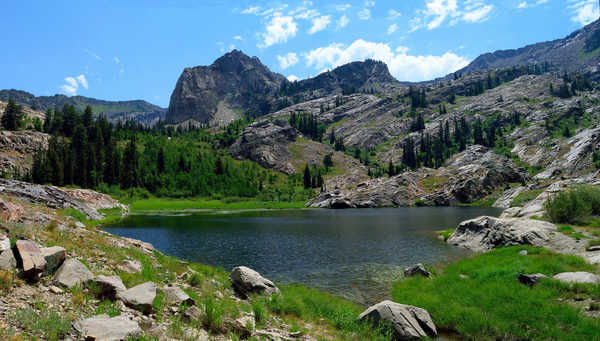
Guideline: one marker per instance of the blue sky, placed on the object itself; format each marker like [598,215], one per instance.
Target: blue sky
[121,50]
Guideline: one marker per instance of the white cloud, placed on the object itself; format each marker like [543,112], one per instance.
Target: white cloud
[288,60]
[116,59]
[393,28]
[278,30]
[522,4]
[436,12]
[97,57]
[319,24]
[478,15]
[293,78]
[584,11]
[526,4]
[73,84]
[402,66]
[343,7]
[365,14]
[81,80]
[238,38]
[393,14]
[251,10]
[343,21]
[369,3]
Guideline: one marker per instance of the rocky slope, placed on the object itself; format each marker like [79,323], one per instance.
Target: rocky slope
[17,149]
[577,52]
[138,111]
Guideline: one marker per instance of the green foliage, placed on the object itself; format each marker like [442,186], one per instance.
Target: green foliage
[46,323]
[308,125]
[488,303]
[213,313]
[525,197]
[574,204]
[13,116]
[445,234]
[109,308]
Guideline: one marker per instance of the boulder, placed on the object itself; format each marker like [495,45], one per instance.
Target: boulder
[577,277]
[30,258]
[71,273]
[417,269]
[242,326]
[108,286]
[4,243]
[192,313]
[139,297]
[175,296]
[408,322]
[54,257]
[486,233]
[8,260]
[105,328]
[246,281]
[130,266]
[531,279]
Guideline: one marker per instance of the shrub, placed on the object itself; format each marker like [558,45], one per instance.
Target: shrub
[195,280]
[213,314]
[574,204]
[7,281]
[47,323]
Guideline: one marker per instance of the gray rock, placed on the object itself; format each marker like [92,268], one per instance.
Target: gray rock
[54,257]
[417,269]
[242,326]
[130,266]
[246,281]
[593,248]
[531,279]
[8,260]
[108,286]
[192,313]
[139,297]
[577,277]
[409,323]
[30,257]
[105,328]
[55,290]
[523,252]
[71,273]
[485,233]
[175,296]
[4,243]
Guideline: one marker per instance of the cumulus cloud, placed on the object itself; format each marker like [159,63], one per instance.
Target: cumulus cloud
[319,24]
[584,11]
[72,85]
[403,66]
[238,38]
[343,21]
[436,12]
[287,60]
[527,4]
[251,10]
[393,28]
[343,7]
[393,14]
[364,14]
[278,30]
[293,78]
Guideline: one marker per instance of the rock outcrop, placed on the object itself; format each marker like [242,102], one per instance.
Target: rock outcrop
[467,177]
[17,149]
[246,281]
[486,233]
[408,322]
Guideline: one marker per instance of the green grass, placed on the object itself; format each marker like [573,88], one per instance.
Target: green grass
[163,204]
[446,233]
[491,304]
[314,305]
[111,216]
[46,323]
[524,197]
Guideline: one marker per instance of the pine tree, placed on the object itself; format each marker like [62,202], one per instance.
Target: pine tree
[478,133]
[13,116]
[160,161]
[79,147]
[307,177]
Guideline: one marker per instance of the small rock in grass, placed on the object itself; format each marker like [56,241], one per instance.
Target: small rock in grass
[108,286]
[174,295]
[192,313]
[72,272]
[8,260]
[4,243]
[246,281]
[105,328]
[531,279]
[130,266]
[417,269]
[54,257]
[55,290]
[593,248]
[523,252]
[140,297]
[409,323]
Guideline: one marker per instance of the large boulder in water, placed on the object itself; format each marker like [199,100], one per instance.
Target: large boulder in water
[486,233]
[246,281]
[408,322]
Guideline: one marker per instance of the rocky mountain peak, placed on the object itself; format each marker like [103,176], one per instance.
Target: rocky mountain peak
[236,61]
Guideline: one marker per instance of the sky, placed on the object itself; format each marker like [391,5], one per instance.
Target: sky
[124,50]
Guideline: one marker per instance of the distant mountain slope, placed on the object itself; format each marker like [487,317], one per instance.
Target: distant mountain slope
[578,52]
[137,111]
[237,84]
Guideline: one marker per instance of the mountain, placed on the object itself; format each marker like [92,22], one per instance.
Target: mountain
[137,111]
[218,94]
[237,84]
[578,52]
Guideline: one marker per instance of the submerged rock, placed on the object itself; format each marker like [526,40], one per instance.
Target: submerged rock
[246,281]
[408,322]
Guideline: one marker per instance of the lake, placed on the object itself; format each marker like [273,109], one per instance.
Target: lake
[354,253]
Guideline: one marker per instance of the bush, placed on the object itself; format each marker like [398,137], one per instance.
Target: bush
[574,204]
[47,323]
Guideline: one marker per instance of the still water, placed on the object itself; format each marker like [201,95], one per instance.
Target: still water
[355,253]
